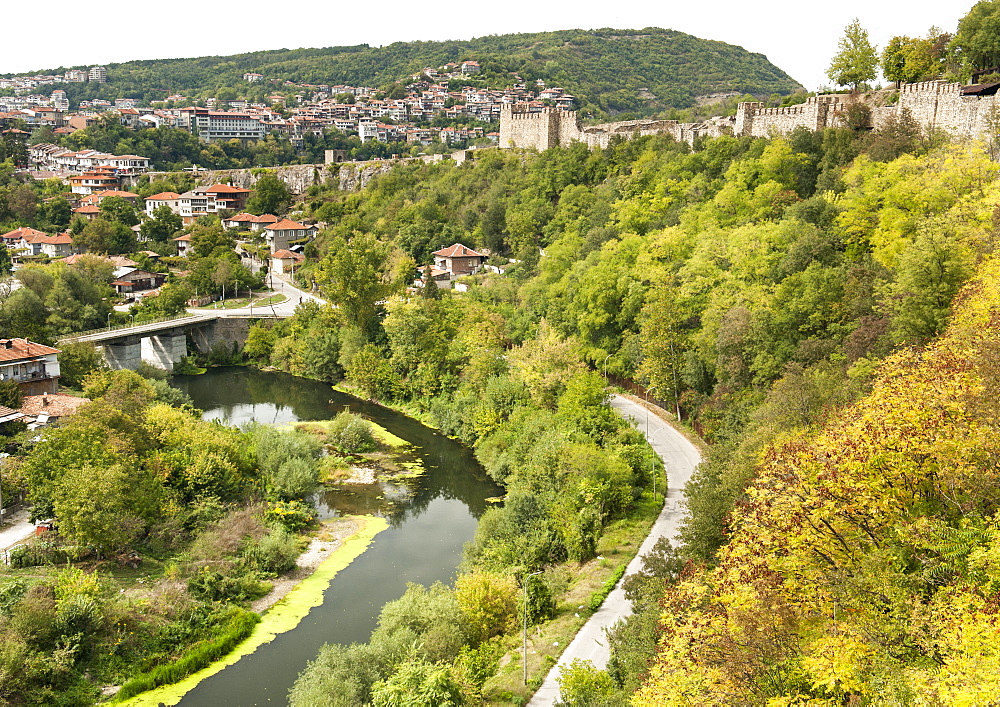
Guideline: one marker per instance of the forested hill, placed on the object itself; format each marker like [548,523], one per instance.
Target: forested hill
[608,70]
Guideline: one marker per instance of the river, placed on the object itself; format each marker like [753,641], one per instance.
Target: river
[431,517]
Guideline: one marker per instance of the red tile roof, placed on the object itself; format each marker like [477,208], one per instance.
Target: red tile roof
[22,232]
[164,196]
[287,255]
[225,189]
[286,225]
[457,251]
[22,348]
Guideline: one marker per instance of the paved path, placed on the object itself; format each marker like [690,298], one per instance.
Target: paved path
[680,458]
[14,529]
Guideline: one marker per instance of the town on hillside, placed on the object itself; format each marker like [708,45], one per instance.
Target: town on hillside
[462,117]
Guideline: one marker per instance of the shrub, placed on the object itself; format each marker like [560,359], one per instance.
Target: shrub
[275,553]
[290,515]
[351,433]
[212,585]
[583,685]
[489,603]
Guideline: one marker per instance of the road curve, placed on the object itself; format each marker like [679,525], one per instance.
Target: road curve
[680,458]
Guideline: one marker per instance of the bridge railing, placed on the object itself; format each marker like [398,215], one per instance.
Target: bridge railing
[103,330]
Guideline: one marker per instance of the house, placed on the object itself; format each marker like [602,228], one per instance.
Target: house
[441,278]
[183,244]
[34,367]
[19,237]
[164,198]
[87,211]
[45,409]
[130,280]
[57,246]
[285,261]
[227,197]
[458,260]
[282,232]
[243,222]
[195,203]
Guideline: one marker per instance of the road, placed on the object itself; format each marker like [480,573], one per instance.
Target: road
[14,529]
[282,309]
[680,458]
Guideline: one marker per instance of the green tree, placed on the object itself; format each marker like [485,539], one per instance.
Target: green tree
[128,501]
[418,682]
[270,196]
[106,236]
[359,275]
[77,361]
[120,209]
[977,41]
[856,61]
[163,226]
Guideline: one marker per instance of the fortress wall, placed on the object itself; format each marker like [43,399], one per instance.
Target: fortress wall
[934,104]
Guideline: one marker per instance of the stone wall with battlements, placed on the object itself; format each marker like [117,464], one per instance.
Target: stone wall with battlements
[935,105]
[557,126]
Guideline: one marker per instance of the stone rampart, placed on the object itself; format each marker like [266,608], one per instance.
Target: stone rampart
[935,105]
[557,126]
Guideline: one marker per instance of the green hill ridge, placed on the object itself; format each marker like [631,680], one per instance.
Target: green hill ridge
[609,70]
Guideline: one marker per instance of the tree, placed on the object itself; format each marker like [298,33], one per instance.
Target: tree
[116,208]
[106,236]
[77,361]
[856,61]
[270,196]
[358,276]
[977,41]
[162,226]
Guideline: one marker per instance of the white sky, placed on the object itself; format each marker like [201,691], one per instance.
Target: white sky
[799,37]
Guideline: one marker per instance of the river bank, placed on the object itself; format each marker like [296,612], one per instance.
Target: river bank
[331,554]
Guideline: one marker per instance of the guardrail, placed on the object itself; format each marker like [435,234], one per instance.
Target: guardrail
[118,327]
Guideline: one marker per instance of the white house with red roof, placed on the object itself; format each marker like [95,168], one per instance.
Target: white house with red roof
[183,244]
[285,261]
[34,367]
[164,198]
[281,233]
[459,260]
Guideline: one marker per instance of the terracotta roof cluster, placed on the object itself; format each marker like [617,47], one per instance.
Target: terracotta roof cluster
[119,261]
[225,189]
[30,235]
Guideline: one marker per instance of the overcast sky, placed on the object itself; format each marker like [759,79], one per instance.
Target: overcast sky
[799,37]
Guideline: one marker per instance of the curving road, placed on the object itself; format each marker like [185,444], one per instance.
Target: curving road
[680,458]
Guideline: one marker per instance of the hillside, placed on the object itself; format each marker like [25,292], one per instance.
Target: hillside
[609,70]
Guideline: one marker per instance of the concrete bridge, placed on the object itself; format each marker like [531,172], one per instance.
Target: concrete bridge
[163,343]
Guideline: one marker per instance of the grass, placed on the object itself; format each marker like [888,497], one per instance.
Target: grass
[242,302]
[588,586]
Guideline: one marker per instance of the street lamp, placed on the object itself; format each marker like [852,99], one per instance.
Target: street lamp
[646,407]
[524,632]
[606,365]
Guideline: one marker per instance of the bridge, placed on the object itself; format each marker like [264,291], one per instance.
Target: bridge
[164,342]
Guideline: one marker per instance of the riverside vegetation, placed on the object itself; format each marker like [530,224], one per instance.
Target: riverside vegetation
[154,580]
[759,284]
[756,283]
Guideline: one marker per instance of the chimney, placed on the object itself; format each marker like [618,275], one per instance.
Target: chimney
[45,400]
